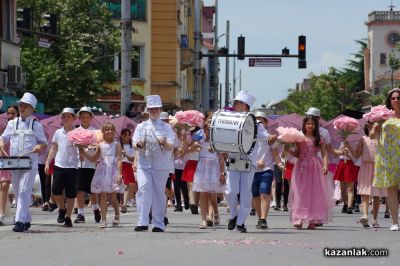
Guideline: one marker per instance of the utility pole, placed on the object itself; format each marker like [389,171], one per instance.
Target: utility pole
[227,66]
[126,47]
[240,79]
[196,68]
[234,76]
[216,59]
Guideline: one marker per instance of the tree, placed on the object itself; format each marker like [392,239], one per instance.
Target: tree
[73,70]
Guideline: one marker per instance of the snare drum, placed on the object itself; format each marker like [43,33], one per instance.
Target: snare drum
[233,132]
[15,163]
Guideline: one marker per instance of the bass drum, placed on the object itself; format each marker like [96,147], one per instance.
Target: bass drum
[233,132]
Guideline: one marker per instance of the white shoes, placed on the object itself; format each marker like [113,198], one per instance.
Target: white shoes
[394,227]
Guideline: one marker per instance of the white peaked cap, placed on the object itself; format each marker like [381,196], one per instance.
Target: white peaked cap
[68,110]
[29,98]
[245,97]
[313,111]
[85,109]
[153,101]
[164,115]
[261,114]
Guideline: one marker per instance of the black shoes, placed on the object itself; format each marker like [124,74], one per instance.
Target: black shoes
[27,226]
[166,222]
[45,208]
[349,210]
[194,209]
[52,207]
[241,228]
[61,216]
[262,224]
[344,209]
[356,208]
[97,216]
[19,227]
[141,228]
[187,205]
[387,214]
[277,208]
[79,219]
[232,223]
[253,212]
[178,208]
[75,210]
[157,230]
[67,222]
[285,208]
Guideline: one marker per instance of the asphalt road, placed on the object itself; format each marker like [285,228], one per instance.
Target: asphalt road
[48,243]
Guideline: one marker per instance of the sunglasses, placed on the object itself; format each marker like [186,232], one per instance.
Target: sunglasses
[395,98]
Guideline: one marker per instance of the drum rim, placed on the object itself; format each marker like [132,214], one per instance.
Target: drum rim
[254,135]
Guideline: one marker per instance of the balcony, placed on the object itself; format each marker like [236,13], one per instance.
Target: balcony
[384,16]
[9,54]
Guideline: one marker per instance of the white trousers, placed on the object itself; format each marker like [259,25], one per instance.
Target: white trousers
[151,195]
[22,182]
[239,182]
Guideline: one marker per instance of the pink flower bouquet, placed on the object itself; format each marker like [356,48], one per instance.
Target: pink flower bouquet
[290,135]
[379,114]
[190,118]
[82,137]
[345,126]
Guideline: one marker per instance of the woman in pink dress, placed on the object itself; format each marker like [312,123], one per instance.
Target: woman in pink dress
[309,196]
[366,149]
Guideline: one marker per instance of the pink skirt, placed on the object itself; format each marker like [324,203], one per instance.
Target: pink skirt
[5,176]
[365,179]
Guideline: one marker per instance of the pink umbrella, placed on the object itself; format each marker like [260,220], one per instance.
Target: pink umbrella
[53,123]
[291,120]
[123,122]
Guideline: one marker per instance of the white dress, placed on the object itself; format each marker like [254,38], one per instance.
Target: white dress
[105,178]
[206,176]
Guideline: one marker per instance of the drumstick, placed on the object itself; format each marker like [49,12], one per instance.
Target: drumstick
[5,153]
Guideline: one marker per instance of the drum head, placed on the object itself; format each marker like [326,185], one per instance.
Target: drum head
[249,133]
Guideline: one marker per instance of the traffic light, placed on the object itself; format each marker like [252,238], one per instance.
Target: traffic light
[51,25]
[302,52]
[24,18]
[241,47]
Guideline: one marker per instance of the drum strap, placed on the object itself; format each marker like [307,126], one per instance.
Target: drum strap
[21,134]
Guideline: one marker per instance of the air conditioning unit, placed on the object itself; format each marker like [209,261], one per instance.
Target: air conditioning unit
[3,80]
[14,75]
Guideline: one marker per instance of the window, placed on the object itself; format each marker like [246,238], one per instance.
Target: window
[136,64]
[138,9]
[8,13]
[382,59]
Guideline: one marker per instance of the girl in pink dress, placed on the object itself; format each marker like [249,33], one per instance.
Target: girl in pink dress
[107,179]
[366,149]
[309,196]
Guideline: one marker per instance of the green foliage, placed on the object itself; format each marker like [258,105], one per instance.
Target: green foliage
[71,72]
[331,92]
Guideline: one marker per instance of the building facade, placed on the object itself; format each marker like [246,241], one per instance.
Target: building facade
[383,36]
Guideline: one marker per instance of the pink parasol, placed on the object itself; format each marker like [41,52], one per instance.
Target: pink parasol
[292,120]
[123,122]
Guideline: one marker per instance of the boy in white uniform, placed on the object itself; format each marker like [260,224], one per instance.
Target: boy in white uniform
[65,167]
[154,140]
[27,138]
[239,182]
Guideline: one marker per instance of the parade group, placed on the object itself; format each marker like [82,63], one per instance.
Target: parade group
[164,163]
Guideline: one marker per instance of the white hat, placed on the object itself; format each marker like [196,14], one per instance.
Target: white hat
[153,101]
[164,115]
[261,114]
[85,109]
[313,111]
[29,98]
[68,110]
[245,97]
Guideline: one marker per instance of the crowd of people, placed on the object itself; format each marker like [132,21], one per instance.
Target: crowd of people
[158,165]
